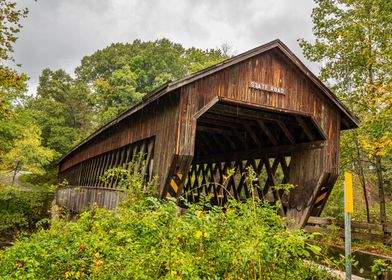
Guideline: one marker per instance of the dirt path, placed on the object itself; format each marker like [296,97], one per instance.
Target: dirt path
[6,178]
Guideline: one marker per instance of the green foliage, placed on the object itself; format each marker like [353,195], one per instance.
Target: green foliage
[121,74]
[62,109]
[12,84]
[20,210]
[381,268]
[153,63]
[148,239]
[11,128]
[42,182]
[28,152]
[116,94]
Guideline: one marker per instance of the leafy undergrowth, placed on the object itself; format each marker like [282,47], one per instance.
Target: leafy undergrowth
[21,210]
[149,239]
[373,247]
[41,182]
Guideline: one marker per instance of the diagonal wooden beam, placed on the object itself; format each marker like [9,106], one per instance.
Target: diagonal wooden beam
[206,142]
[218,143]
[240,138]
[306,129]
[285,169]
[286,131]
[230,141]
[268,132]
[218,120]
[280,150]
[214,130]
[254,137]
[249,114]
[200,144]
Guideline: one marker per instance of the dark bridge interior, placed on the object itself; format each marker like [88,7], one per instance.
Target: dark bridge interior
[226,129]
[233,138]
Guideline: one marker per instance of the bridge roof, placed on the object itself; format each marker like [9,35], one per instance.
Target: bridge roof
[351,120]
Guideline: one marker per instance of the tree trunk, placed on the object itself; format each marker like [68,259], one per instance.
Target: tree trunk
[15,171]
[361,175]
[381,193]
[380,183]
[363,184]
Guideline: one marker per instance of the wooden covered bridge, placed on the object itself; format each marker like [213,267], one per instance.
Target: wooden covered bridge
[262,108]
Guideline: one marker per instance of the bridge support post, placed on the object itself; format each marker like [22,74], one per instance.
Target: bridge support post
[177,174]
[312,185]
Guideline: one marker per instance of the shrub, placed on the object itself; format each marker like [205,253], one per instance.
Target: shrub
[148,239]
[20,210]
[41,182]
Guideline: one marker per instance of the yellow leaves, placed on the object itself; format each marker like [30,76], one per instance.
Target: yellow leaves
[175,274]
[378,148]
[198,213]
[97,261]
[199,234]
[102,84]
[230,172]
[78,274]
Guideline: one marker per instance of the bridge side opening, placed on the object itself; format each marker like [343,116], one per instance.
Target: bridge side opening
[230,139]
[84,184]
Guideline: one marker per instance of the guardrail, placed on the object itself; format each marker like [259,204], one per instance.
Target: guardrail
[360,230]
[81,197]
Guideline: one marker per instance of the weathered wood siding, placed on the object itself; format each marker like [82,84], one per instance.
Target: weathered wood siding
[271,68]
[301,97]
[81,198]
[158,119]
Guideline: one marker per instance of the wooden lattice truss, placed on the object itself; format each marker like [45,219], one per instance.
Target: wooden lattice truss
[234,179]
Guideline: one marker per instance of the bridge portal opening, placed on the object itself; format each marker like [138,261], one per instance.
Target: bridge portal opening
[233,139]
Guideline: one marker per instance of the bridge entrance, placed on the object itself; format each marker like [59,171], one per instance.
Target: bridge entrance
[239,140]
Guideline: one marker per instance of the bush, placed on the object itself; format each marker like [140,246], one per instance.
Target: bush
[149,239]
[20,210]
[43,182]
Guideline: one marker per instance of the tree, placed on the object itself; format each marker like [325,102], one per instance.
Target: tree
[11,128]
[116,94]
[353,40]
[12,84]
[62,109]
[121,74]
[28,153]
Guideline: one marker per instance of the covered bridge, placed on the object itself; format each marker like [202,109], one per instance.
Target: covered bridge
[262,108]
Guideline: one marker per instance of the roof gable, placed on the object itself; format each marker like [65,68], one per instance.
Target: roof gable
[349,120]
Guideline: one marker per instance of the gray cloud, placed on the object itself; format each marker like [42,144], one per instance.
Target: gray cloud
[58,33]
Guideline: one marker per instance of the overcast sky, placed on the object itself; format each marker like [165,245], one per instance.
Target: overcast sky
[58,33]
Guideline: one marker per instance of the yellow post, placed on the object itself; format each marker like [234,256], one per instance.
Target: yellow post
[348,179]
[348,210]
